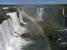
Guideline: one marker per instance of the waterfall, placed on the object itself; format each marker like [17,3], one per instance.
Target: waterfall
[21,16]
[5,31]
[39,14]
[11,30]
[16,23]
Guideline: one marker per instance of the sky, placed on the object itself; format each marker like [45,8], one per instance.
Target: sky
[10,2]
[33,2]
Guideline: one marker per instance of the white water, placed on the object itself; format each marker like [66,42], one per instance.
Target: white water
[39,14]
[17,29]
[16,23]
[21,17]
[9,29]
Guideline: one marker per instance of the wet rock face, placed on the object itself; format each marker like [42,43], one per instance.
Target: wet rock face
[26,35]
[31,36]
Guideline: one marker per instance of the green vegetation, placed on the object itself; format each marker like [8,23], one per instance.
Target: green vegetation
[12,9]
[50,30]
[3,17]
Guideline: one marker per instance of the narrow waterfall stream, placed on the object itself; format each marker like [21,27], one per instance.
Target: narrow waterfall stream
[40,12]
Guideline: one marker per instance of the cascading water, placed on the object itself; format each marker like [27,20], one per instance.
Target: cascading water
[21,17]
[39,14]
[34,28]
[17,30]
[11,30]
[16,23]
[5,32]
